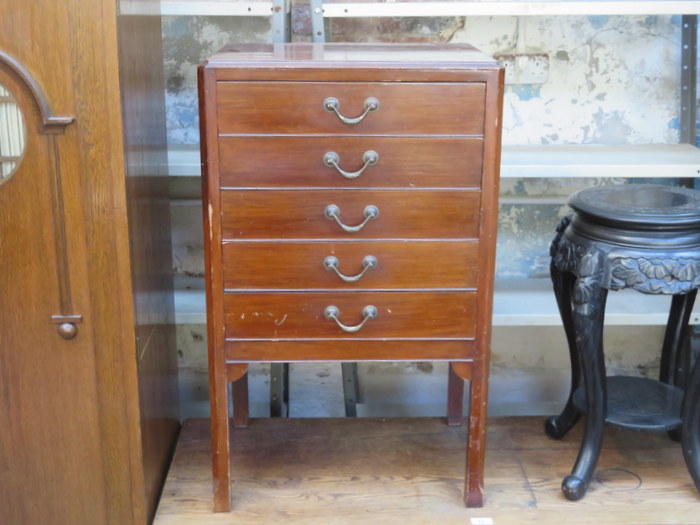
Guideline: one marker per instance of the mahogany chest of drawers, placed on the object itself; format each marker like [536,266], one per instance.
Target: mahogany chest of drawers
[350,197]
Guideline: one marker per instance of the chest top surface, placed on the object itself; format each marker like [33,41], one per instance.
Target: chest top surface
[451,59]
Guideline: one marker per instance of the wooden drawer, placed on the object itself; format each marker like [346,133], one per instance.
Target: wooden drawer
[406,162]
[403,214]
[400,315]
[269,265]
[348,350]
[405,108]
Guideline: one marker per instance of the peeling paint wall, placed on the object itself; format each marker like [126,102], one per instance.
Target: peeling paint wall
[187,42]
[612,80]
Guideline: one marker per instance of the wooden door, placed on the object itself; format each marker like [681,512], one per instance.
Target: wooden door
[51,465]
[89,422]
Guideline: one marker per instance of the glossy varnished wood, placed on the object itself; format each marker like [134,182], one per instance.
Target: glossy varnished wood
[141,78]
[265,134]
[345,350]
[33,358]
[297,161]
[401,315]
[218,377]
[321,471]
[266,265]
[403,214]
[405,108]
[73,447]
[488,226]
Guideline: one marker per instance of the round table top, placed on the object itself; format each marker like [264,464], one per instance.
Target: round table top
[639,206]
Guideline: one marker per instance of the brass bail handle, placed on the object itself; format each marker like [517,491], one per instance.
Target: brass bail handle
[332,212]
[331,263]
[331,104]
[332,160]
[331,312]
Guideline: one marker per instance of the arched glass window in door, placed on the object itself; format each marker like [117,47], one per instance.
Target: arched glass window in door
[12,134]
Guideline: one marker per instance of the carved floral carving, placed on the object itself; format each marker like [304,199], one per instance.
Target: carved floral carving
[667,276]
[652,275]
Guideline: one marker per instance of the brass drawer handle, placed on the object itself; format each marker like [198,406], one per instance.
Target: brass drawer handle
[331,263]
[332,212]
[331,313]
[331,104]
[369,157]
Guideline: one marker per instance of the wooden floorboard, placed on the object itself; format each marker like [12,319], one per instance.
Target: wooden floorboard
[409,471]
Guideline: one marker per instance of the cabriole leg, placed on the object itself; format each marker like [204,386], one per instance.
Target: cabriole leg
[690,428]
[672,366]
[589,314]
[563,282]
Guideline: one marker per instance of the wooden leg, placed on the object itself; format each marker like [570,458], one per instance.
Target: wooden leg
[676,330]
[690,428]
[239,393]
[476,440]
[672,369]
[455,397]
[589,314]
[563,282]
[221,468]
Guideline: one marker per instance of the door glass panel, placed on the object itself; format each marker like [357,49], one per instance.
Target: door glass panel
[12,134]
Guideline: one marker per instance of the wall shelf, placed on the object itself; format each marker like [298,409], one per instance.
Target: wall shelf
[381,8]
[431,8]
[216,8]
[570,161]
[594,160]
[531,302]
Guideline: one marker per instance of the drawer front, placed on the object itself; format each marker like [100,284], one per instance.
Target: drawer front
[402,214]
[304,265]
[400,315]
[406,162]
[348,350]
[299,108]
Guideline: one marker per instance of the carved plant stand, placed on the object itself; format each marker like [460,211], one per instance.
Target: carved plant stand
[645,237]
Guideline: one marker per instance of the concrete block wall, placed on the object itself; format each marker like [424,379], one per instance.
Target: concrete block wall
[612,80]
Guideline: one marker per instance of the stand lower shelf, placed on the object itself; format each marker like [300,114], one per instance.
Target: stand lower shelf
[639,403]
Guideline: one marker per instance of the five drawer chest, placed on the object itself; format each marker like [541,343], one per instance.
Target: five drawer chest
[350,208]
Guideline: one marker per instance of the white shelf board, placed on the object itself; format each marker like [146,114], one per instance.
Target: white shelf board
[190,307]
[531,302]
[429,8]
[517,302]
[587,160]
[216,8]
[505,8]
[598,160]
[184,160]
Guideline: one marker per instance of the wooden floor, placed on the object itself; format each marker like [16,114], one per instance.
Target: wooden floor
[409,471]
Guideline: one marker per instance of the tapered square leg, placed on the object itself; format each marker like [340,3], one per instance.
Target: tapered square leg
[476,441]
[239,393]
[455,398]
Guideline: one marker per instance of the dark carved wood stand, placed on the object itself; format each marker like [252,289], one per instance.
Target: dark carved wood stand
[645,237]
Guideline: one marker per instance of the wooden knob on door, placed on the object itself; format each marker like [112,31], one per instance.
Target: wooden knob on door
[67,331]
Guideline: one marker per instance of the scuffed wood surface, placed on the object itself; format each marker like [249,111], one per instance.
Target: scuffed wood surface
[410,471]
